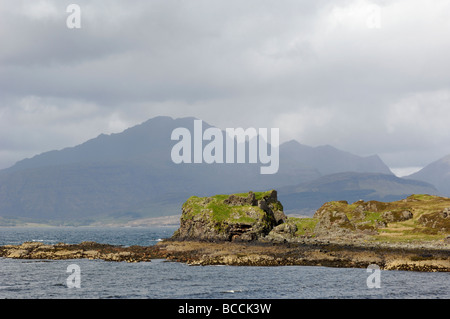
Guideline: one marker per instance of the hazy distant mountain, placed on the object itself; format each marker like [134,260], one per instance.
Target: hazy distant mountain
[130,175]
[436,173]
[307,197]
[328,160]
[147,142]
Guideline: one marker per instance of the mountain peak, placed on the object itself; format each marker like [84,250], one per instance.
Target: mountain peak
[292,143]
[436,173]
[132,172]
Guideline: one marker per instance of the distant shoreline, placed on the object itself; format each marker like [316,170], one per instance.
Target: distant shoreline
[162,221]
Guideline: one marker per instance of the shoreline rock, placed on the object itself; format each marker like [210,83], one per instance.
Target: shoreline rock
[85,250]
[307,254]
[257,253]
[250,229]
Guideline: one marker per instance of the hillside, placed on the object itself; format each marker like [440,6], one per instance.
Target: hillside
[329,160]
[307,197]
[260,216]
[436,173]
[417,217]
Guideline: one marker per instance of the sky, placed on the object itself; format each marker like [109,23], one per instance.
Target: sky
[367,77]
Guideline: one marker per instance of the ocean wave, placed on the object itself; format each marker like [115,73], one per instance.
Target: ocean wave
[231,291]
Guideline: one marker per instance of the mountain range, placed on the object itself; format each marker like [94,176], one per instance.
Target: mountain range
[130,175]
[436,173]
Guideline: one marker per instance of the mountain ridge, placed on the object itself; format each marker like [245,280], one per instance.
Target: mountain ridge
[436,173]
[131,174]
[351,187]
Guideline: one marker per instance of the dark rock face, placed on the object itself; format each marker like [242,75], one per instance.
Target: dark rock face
[390,216]
[283,232]
[88,250]
[338,218]
[234,200]
[333,222]
[437,220]
[259,216]
[237,217]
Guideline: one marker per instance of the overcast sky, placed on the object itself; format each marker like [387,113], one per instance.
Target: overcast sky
[368,77]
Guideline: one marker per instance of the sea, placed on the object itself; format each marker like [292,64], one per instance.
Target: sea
[161,279]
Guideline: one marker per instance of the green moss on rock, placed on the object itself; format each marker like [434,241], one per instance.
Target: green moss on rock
[251,216]
[245,216]
[414,217]
[305,226]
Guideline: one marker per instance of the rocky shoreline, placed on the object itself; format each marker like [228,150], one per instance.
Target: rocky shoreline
[426,258]
[87,250]
[310,253]
[251,229]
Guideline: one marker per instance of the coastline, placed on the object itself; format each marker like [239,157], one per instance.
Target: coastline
[312,253]
[161,221]
[424,257]
[251,229]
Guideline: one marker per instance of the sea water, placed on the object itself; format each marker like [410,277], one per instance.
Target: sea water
[26,279]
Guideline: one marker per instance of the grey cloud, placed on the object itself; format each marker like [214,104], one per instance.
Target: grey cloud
[313,68]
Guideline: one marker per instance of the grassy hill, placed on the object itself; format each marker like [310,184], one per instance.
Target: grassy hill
[306,198]
[418,217]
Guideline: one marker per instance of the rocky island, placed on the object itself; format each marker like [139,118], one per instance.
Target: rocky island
[252,229]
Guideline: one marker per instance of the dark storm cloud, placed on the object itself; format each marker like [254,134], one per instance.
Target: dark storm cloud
[365,76]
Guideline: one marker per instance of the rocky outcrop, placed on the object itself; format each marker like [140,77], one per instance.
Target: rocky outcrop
[88,250]
[398,216]
[437,220]
[235,200]
[419,216]
[259,216]
[333,222]
[243,217]
[283,232]
[312,253]
[251,229]
[337,219]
